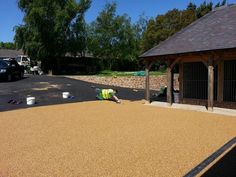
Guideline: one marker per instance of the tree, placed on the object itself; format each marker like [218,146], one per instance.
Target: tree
[78,36]
[139,29]
[149,39]
[140,26]
[164,26]
[112,37]
[224,2]
[173,21]
[203,9]
[50,26]
[7,45]
[191,6]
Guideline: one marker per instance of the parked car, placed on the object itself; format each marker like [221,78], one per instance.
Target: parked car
[23,60]
[10,69]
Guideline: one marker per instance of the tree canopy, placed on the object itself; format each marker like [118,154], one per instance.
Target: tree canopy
[7,45]
[112,36]
[52,27]
[165,25]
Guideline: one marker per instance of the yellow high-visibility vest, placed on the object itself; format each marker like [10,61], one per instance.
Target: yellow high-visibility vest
[107,93]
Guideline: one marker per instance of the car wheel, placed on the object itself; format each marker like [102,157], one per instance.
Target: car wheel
[9,77]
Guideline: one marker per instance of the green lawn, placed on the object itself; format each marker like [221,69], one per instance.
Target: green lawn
[130,73]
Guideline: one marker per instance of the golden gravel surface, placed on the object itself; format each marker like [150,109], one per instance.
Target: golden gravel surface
[104,139]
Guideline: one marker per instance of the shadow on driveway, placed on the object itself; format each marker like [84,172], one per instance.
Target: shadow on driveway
[48,91]
[226,166]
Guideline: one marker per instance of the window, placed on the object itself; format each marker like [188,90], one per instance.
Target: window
[24,59]
[3,64]
[18,59]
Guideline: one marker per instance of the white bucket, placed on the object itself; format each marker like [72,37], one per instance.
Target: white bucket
[176,97]
[30,100]
[65,95]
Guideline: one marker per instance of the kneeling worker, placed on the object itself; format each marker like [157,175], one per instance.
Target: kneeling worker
[107,94]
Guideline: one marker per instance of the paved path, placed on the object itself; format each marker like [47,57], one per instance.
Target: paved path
[48,91]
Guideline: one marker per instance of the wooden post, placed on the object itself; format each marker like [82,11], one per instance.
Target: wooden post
[210,85]
[220,81]
[147,86]
[148,66]
[169,83]
[181,74]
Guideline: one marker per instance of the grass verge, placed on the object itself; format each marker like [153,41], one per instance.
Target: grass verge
[129,73]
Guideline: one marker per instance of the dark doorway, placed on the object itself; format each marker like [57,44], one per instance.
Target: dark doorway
[230,81]
[195,81]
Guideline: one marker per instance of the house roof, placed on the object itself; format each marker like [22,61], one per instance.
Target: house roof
[7,53]
[214,31]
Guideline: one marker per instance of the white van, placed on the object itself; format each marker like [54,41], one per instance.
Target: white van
[23,60]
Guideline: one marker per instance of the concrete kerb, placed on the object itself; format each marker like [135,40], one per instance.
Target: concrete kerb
[216,110]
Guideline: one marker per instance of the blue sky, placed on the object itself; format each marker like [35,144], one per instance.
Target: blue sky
[11,16]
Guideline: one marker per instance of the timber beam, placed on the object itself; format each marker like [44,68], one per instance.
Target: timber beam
[220,82]
[169,82]
[210,84]
[148,65]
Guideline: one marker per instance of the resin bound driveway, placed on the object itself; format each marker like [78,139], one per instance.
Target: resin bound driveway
[101,138]
[94,139]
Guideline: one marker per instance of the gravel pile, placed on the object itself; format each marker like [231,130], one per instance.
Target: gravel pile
[138,82]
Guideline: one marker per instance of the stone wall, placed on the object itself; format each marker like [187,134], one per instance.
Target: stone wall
[137,82]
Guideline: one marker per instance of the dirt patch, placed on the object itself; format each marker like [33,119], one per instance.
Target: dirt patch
[94,139]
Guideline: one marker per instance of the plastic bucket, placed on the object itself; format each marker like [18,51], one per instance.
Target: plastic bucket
[65,95]
[176,97]
[30,100]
